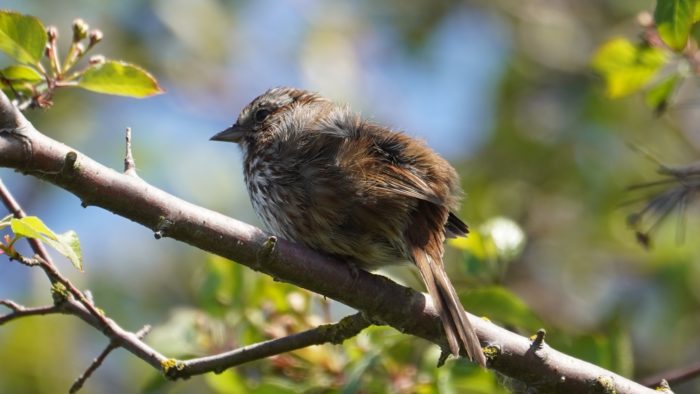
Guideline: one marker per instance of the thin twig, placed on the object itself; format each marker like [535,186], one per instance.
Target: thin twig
[23,311]
[129,163]
[325,309]
[44,260]
[12,305]
[81,307]
[674,376]
[97,362]
[16,210]
[335,333]
[55,276]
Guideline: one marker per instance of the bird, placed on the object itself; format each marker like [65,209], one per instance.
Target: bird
[321,175]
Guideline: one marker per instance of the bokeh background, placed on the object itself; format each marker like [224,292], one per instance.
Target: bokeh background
[502,89]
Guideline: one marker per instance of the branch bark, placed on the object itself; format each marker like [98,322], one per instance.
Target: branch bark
[25,149]
[113,344]
[335,333]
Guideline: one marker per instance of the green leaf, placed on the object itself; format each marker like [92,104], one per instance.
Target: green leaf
[673,21]
[501,305]
[626,67]
[119,78]
[66,244]
[20,72]
[23,37]
[657,97]
[31,227]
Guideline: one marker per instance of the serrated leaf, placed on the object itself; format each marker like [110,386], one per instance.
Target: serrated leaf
[23,37]
[20,72]
[67,244]
[31,227]
[501,305]
[657,97]
[674,19]
[119,78]
[626,67]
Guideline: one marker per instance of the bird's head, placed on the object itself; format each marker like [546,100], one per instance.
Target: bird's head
[265,113]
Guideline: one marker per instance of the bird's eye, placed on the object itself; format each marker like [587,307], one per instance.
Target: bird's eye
[261,114]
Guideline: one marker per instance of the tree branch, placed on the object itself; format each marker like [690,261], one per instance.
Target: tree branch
[25,149]
[180,369]
[335,333]
[78,384]
[16,210]
[23,311]
[129,163]
[69,300]
[673,376]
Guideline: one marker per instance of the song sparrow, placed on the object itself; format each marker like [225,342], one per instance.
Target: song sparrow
[322,176]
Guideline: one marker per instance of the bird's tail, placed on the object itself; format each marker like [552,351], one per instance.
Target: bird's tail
[459,332]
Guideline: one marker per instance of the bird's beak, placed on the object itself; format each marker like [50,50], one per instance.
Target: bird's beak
[233,134]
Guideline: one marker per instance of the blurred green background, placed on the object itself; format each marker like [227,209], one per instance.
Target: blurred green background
[503,89]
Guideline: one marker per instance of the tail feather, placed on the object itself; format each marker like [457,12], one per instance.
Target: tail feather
[431,284]
[458,329]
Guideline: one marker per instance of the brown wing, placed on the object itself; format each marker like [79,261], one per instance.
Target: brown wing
[374,181]
[455,227]
[401,166]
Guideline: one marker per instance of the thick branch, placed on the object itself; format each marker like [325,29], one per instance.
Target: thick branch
[28,151]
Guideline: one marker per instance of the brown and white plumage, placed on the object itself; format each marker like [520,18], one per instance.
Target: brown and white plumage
[320,175]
